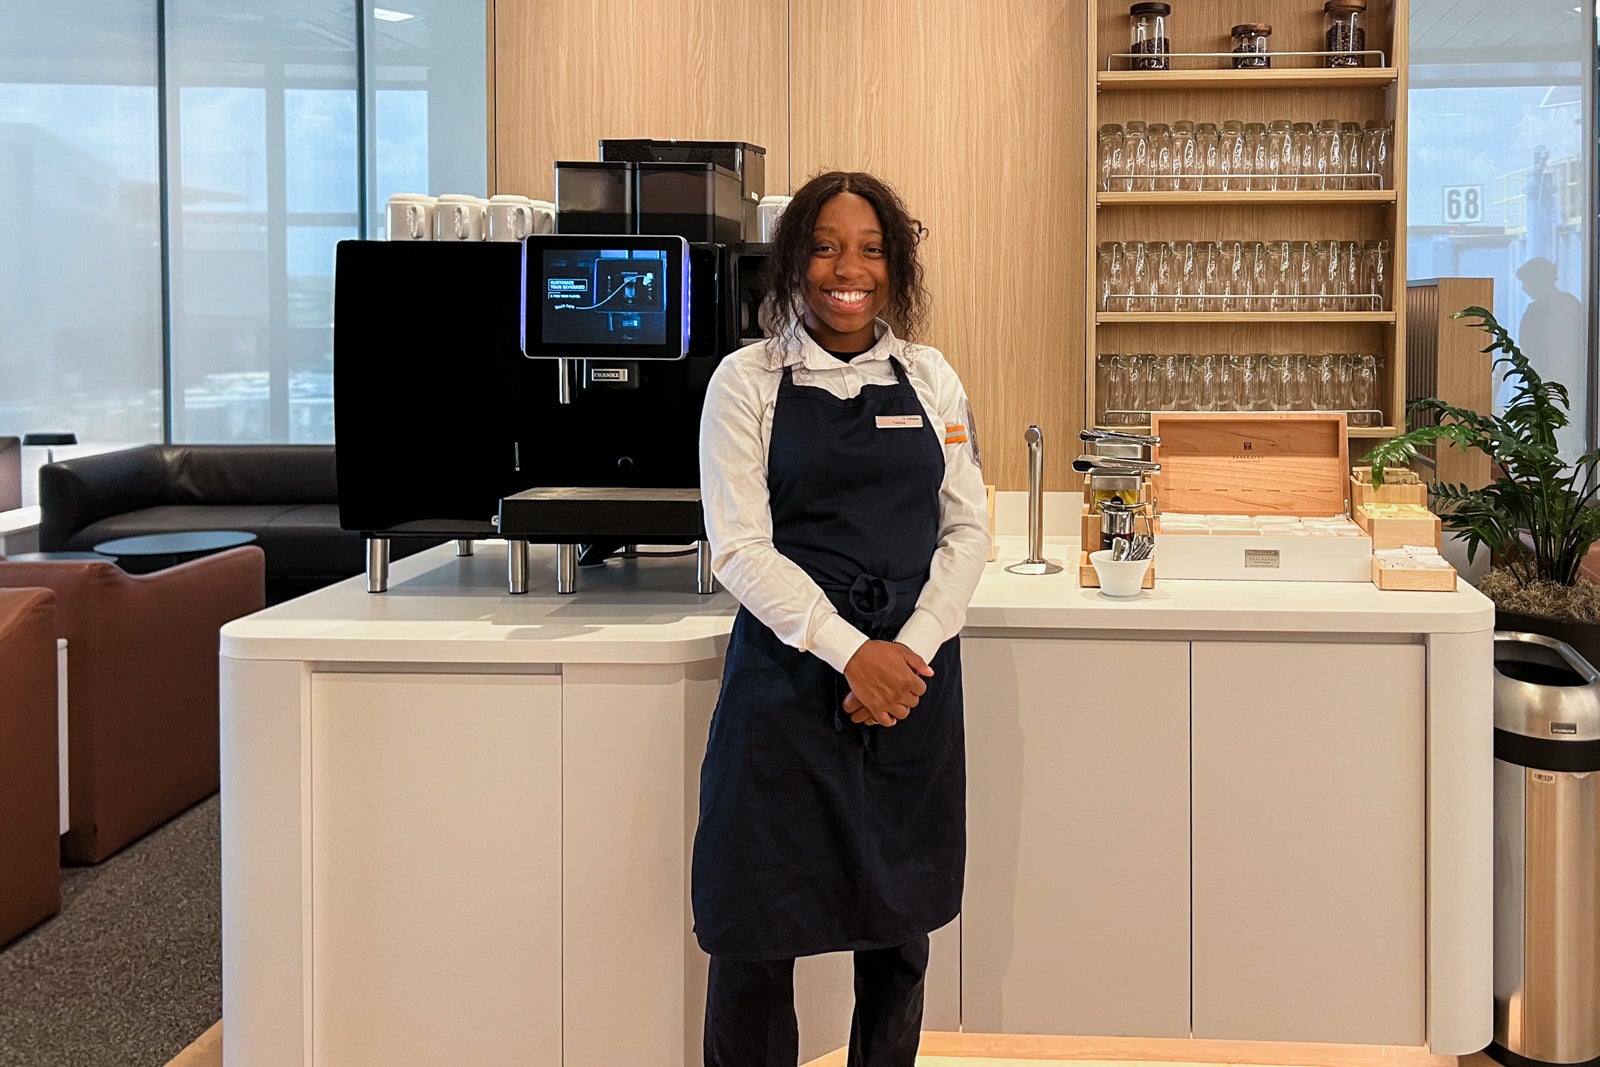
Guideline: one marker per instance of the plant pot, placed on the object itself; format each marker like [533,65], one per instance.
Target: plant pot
[1583,636]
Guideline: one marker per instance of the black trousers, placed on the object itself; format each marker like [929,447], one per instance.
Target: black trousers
[750,1018]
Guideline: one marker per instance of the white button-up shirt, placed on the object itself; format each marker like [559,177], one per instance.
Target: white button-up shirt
[735,435]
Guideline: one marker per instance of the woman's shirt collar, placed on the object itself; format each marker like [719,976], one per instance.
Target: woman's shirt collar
[795,347]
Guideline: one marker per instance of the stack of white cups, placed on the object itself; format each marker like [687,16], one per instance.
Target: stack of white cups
[768,212]
[463,217]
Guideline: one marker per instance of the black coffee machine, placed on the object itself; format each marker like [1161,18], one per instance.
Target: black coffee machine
[454,422]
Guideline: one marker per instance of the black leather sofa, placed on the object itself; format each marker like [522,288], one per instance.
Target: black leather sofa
[287,495]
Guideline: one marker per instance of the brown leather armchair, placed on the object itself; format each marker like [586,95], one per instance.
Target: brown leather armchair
[142,703]
[30,880]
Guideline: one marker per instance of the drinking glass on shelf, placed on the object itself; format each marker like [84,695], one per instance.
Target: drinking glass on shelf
[1186,270]
[1232,376]
[1328,161]
[1375,274]
[1208,263]
[1350,261]
[1183,158]
[1209,384]
[1319,374]
[1233,276]
[1110,146]
[1279,149]
[1305,155]
[1135,276]
[1303,269]
[1161,383]
[1247,383]
[1231,156]
[1350,151]
[1329,275]
[1112,384]
[1206,154]
[1375,141]
[1127,394]
[1135,156]
[1364,402]
[1186,389]
[1255,150]
[1343,370]
[1279,276]
[1109,276]
[1158,153]
[1163,276]
[1296,383]
[1258,284]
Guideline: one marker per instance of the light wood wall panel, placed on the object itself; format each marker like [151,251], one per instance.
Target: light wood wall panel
[567,74]
[975,112]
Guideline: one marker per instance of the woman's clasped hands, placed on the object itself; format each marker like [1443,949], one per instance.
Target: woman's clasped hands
[886,682]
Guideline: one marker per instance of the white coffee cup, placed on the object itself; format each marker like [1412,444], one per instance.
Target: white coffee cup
[511,217]
[768,212]
[410,217]
[544,217]
[459,217]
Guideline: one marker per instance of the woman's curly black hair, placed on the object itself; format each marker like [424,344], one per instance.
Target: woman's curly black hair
[785,277]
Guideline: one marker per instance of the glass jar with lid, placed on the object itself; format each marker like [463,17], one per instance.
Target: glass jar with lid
[1344,33]
[1150,44]
[1250,46]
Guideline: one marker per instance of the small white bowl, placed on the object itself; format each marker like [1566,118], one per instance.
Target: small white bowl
[1122,578]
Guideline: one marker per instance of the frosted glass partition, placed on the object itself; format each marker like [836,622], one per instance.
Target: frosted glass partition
[427,86]
[80,264]
[1502,135]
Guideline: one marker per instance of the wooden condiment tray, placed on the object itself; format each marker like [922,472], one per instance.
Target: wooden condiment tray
[1414,579]
[1388,531]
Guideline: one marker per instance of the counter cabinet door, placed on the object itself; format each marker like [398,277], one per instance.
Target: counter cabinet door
[436,869]
[1309,846]
[1076,915]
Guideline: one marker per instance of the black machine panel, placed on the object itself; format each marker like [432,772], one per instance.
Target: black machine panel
[425,373]
[439,414]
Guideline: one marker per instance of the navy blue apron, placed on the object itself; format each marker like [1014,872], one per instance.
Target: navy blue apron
[817,834]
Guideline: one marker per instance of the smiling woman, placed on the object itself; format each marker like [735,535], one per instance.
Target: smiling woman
[847,243]
[846,512]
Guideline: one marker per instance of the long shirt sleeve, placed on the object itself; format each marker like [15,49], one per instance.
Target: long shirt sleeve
[963,547]
[735,430]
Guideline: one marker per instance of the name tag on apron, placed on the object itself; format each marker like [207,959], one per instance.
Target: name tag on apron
[899,422]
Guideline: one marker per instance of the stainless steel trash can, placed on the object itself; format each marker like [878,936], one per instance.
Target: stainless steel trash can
[1546,853]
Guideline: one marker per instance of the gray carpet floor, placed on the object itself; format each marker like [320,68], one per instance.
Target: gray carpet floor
[130,972]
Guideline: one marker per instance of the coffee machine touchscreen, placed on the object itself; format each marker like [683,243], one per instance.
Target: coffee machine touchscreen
[596,297]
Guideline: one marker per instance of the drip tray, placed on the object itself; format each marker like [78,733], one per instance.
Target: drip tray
[582,515]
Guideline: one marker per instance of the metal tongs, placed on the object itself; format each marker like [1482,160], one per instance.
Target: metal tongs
[1092,435]
[1087,464]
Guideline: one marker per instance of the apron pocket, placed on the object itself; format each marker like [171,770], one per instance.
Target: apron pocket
[933,724]
[787,696]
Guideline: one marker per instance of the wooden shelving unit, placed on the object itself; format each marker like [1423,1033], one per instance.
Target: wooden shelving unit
[1251,196]
[1138,81]
[1208,90]
[1179,318]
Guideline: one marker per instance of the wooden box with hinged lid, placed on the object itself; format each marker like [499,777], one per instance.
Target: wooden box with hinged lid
[1252,464]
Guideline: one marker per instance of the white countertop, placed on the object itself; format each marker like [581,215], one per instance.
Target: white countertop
[445,609]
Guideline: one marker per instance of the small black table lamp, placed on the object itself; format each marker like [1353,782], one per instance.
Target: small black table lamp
[48,441]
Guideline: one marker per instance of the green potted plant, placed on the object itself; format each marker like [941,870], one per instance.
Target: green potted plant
[1536,517]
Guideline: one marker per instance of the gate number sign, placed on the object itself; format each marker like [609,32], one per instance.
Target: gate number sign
[1463,204]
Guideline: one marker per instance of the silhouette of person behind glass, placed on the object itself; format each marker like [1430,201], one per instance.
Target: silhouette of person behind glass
[1553,329]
